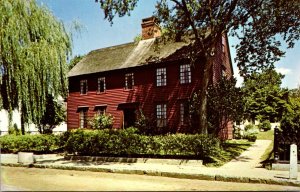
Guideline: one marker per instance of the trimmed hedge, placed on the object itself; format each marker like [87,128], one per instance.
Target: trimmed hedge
[125,142]
[30,143]
[129,142]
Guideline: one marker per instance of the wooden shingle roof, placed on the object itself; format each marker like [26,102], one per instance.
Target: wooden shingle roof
[128,55]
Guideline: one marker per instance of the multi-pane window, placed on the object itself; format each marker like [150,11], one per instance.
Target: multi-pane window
[184,113]
[101,110]
[129,81]
[83,118]
[83,87]
[101,85]
[185,74]
[161,77]
[161,115]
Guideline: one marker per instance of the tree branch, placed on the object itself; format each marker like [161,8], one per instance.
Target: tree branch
[192,24]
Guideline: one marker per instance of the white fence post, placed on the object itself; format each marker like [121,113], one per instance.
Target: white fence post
[293,162]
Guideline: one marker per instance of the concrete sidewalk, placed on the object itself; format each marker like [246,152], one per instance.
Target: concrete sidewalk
[245,168]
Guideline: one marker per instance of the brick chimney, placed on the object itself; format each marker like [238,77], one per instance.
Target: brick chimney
[150,28]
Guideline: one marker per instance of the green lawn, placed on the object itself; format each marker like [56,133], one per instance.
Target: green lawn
[268,135]
[233,148]
[268,156]
[230,149]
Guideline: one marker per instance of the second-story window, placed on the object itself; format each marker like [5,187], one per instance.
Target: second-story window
[101,85]
[83,87]
[129,81]
[185,74]
[161,77]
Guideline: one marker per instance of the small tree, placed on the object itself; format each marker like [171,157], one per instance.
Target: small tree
[290,122]
[264,99]
[75,60]
[146,125]
[53,116]
[225,104]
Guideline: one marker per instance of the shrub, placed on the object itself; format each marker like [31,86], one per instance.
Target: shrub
[30,143]
[128,142]
[14,130]
[237,133]
[102,121]
[146,125]
[265,125]
[251,133]
[251,138]
[249,127]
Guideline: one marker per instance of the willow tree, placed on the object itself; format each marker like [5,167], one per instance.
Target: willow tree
[34,48]
[257,24]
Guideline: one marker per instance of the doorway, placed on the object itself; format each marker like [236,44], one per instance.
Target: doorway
[129,117]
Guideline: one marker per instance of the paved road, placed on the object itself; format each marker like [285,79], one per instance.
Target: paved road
[5,187]
[52,179]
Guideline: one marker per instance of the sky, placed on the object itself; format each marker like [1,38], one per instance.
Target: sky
[98,33]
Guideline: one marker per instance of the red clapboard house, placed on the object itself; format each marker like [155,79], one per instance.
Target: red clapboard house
[125,79]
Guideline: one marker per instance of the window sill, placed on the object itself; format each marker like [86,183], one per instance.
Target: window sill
[162,86]
[100,93]
[185,83]
[126,90]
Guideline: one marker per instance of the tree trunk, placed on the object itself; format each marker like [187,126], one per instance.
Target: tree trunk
[206,75]
[22,123]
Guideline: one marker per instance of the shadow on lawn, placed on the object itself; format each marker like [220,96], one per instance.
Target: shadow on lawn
[227,152]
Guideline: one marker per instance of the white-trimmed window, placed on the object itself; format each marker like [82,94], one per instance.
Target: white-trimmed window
[100,109]
[83,118]
[161,77]
[101,85]
[185,74]
[129,81]
[184,113]
[83,87]
[161,115]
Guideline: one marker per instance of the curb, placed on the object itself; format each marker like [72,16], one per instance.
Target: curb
[165,174]
[193,162]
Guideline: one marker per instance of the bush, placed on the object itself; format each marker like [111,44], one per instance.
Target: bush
[30,143]
[265,125]
[250,127]
[146,125]
[14,130]
[128,142]
[102,121]
[251,137]
[237,133]
[251,133]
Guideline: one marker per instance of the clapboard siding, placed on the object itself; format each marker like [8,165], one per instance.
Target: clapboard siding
[145,91]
